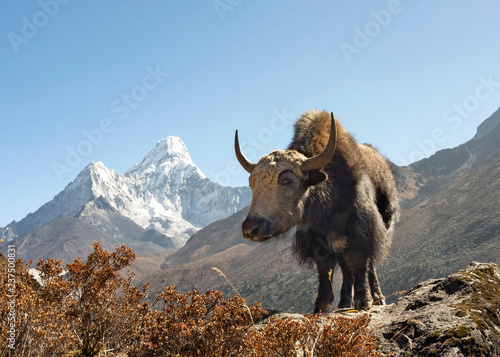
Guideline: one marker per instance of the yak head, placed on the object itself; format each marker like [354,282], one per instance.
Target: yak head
[280,183]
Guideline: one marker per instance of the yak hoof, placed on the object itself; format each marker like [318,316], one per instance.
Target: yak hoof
[344,305]
[361,304]
[380,302]
[322,308]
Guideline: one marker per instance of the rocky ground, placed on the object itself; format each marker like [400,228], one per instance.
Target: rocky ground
[454,316]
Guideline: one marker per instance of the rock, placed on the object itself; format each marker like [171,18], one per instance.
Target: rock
[454,316]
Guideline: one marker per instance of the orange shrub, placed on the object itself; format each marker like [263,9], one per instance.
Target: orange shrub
[90,309]
[314,335]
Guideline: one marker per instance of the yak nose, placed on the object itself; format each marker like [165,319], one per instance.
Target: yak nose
[255,228]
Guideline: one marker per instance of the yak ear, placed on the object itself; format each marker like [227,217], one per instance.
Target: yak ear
[315,177]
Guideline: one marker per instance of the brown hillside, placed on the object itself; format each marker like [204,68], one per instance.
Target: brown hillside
[458,225]
[260,271]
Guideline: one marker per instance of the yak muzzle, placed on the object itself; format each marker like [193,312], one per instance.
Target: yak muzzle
[256,229]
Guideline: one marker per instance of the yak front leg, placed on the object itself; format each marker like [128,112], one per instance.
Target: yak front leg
[346,290]
[325,296]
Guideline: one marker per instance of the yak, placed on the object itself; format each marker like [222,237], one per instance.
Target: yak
[340,196]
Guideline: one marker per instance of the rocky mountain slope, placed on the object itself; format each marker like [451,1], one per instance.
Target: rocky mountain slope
[154,207]
[449,218]
[453,216]
[461,223]
[69,236]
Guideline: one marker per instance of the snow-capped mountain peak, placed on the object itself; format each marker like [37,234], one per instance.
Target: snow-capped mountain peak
[165,192]
[168,155]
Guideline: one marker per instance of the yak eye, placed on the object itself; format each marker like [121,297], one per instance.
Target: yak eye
[286,179]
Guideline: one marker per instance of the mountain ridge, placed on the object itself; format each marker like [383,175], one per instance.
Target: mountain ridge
[427,176]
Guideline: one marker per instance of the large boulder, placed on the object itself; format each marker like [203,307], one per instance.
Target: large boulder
[454,316]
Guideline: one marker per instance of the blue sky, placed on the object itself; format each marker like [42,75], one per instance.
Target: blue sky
[105,80]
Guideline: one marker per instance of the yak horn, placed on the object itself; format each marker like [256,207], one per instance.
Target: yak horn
[247,165]
[323,158]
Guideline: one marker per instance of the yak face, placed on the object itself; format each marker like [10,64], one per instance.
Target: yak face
[279,183]
[279,188]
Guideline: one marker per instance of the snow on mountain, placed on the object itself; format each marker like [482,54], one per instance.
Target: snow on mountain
[165,192]
[169,154]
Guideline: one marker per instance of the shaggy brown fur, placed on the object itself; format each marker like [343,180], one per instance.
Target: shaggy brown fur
[344,213]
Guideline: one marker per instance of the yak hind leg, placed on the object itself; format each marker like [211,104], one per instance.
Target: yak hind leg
[378,297]
[354,277]
[325,296]
[346,290]
[362,295]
